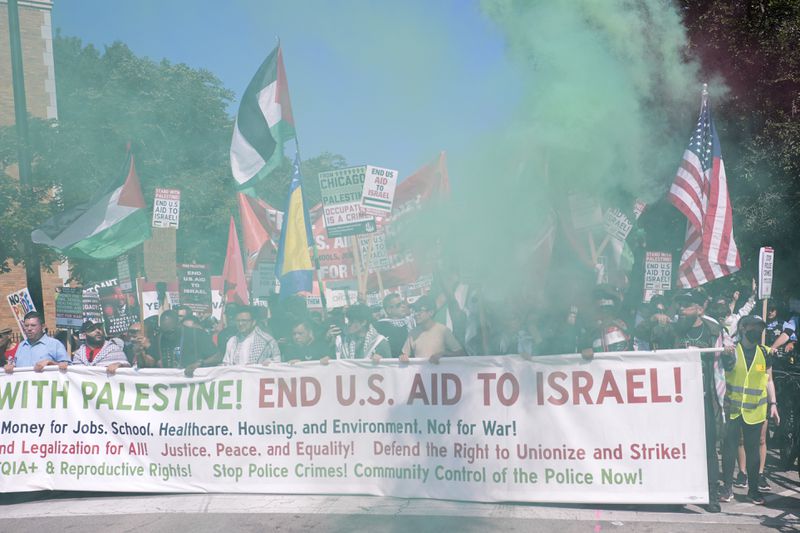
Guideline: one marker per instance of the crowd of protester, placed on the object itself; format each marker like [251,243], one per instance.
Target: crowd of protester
[447,323]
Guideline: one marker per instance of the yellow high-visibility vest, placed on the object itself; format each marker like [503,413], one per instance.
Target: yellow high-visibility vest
[746,388]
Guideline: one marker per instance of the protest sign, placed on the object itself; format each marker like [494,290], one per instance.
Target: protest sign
[120,308]
[21,304]
[263,281]
[150,304]
[69,307]
[638,208]
[166,208]
[341,200]
[160,255]
[374,256]
[470,429]
[766,258]
[194,288]
[124,273]
[616,224]
[378,192]
[657,274]
[92,310]
[585,212]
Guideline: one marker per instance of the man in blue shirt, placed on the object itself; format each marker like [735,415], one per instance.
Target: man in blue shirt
[38,350]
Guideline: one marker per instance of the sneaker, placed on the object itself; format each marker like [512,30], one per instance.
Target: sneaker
[725,494]
[763,486]
[713,507]
[741,480]
[756,499]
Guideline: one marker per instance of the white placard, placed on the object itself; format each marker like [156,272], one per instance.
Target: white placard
[657,273]
[766,259]
[378,193]
[166,208]
[617,224]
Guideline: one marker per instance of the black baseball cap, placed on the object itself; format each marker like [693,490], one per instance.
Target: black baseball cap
[90,326]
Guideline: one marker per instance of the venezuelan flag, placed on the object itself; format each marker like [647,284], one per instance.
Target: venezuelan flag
[293,267]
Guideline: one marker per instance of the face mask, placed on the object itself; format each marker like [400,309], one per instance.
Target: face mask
[753,335]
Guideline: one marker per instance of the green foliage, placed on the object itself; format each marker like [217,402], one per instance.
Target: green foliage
[752,44]
[178,123]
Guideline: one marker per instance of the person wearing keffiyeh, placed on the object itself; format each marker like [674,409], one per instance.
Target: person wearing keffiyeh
[99,350]
[397,324]
[361,340]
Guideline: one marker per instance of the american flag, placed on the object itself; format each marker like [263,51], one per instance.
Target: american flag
[700,191]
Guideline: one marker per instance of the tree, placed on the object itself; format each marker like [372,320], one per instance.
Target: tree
[178,123]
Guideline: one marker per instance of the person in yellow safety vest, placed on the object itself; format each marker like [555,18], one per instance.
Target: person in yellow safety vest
[749,394]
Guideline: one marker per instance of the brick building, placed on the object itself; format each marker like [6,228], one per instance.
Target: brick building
[36,33]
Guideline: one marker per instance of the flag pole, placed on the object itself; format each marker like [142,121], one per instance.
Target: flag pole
[314,254]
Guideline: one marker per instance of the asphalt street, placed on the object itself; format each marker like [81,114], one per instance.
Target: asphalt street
[171,513]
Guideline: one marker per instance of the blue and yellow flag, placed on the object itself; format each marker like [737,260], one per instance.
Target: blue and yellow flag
[293,267]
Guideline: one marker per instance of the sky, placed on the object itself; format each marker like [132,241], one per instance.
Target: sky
[383,83]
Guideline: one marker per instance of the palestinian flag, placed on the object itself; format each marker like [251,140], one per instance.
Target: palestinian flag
[263,124]
[108,225]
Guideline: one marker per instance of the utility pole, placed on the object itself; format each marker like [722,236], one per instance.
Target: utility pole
[32,266]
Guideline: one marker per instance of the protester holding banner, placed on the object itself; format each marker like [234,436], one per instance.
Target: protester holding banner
[38,350]
[360,339]
[251,345]
[136,344]
[306,345]
[606,331]
[176,346]
[694,330]
[100,351]
[397,323]
[749,393]
[430,339]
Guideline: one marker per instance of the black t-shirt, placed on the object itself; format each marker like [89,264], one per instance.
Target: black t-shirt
[397,335]
[313,352]
[186,347]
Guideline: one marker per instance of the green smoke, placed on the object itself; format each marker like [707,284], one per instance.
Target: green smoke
[609,99]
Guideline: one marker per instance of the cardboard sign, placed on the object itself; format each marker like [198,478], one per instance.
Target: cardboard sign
[194,287]
[166,208]
[69,307]
[766,258]
[657,274]
[21,304]
[120,308]
[160,253]
[378,193]
[341,200]
[617,224]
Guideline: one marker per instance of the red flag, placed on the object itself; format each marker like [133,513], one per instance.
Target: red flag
[235,288]
[256,228]
[700,191]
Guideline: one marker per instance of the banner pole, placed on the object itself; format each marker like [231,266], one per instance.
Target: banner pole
[357,261]
[764,317]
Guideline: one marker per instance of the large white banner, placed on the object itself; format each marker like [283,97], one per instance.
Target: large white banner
[624,428]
